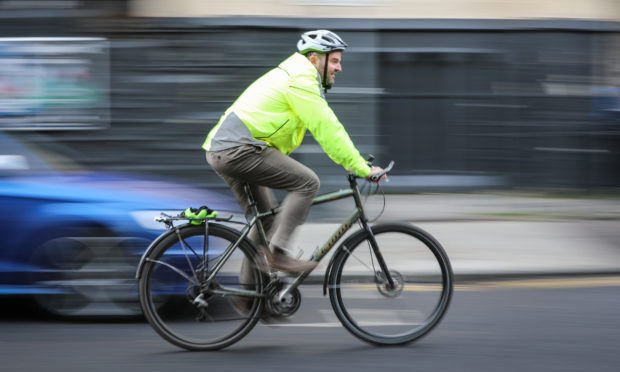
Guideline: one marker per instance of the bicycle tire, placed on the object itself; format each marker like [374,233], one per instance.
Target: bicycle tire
[168,298]
[380,315]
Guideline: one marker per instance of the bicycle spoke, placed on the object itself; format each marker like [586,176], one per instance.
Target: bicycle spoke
[371,269]
[372,261]
[183,244]
[173,268]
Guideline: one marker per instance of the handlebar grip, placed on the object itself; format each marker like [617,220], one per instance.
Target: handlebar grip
[387,169]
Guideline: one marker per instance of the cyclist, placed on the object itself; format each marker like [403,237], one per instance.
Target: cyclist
[253,138]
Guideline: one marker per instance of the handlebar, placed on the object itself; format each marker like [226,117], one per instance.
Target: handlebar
[385,171]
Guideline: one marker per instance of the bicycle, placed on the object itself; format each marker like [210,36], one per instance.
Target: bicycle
[193,295]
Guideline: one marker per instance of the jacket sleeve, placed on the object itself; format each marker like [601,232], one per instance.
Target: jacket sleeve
[311,108]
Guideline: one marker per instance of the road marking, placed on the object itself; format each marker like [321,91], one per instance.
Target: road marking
[409,287]
[575,282]
[585,282]
[568,282]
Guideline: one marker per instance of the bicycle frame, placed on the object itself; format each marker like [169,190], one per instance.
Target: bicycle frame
[358,214]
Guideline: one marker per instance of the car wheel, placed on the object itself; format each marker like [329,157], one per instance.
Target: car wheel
[87,272]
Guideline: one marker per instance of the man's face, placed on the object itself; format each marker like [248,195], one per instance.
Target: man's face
[333,65]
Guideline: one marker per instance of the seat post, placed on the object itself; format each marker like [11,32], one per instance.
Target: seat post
[248,193]
[252,209]
[253,212]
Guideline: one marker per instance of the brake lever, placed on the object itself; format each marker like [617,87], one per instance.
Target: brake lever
[386,170]
[370,159]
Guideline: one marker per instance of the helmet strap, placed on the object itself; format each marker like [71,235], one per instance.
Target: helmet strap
[326,84]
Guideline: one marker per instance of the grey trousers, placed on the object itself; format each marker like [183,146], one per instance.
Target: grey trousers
[265,168]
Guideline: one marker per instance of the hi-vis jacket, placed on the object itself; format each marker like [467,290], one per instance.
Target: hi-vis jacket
[277,109]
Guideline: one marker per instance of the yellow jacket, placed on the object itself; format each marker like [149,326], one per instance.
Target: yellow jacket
[278,108]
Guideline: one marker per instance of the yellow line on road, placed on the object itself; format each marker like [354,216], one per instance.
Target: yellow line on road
[575,282]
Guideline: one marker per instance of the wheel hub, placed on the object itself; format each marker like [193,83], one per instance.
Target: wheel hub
[390,291]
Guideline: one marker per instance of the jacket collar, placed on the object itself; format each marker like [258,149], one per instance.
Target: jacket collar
[298,64]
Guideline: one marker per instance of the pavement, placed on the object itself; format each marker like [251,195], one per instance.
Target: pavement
[496,235]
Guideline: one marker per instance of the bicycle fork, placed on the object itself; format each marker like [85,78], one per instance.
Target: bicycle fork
[379,256]
[366,227]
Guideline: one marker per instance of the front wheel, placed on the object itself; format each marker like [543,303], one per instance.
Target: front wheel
[380,313]
[186,308]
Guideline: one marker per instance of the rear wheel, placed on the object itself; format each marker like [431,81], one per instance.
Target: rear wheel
[377,312]
[185,308]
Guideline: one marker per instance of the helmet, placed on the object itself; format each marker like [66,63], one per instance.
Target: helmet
[323,41]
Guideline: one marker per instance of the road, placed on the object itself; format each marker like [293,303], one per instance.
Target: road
[561,324]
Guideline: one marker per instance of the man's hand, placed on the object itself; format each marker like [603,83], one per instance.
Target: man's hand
[374,171]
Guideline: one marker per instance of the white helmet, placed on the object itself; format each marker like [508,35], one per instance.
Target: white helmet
[323,41]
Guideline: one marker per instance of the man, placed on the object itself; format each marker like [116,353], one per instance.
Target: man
[252,140]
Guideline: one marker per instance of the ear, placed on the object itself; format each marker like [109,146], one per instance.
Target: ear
[315,60]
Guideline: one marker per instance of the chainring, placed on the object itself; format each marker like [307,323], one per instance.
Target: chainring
[285,308]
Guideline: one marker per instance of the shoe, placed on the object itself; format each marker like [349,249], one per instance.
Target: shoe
[279,260]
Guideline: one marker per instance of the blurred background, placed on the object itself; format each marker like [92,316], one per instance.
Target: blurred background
[464,95]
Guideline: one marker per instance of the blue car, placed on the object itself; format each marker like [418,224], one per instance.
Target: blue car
[72,240]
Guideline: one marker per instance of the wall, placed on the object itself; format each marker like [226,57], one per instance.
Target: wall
[472,9]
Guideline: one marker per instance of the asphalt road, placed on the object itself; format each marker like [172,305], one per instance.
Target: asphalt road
[570,324]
